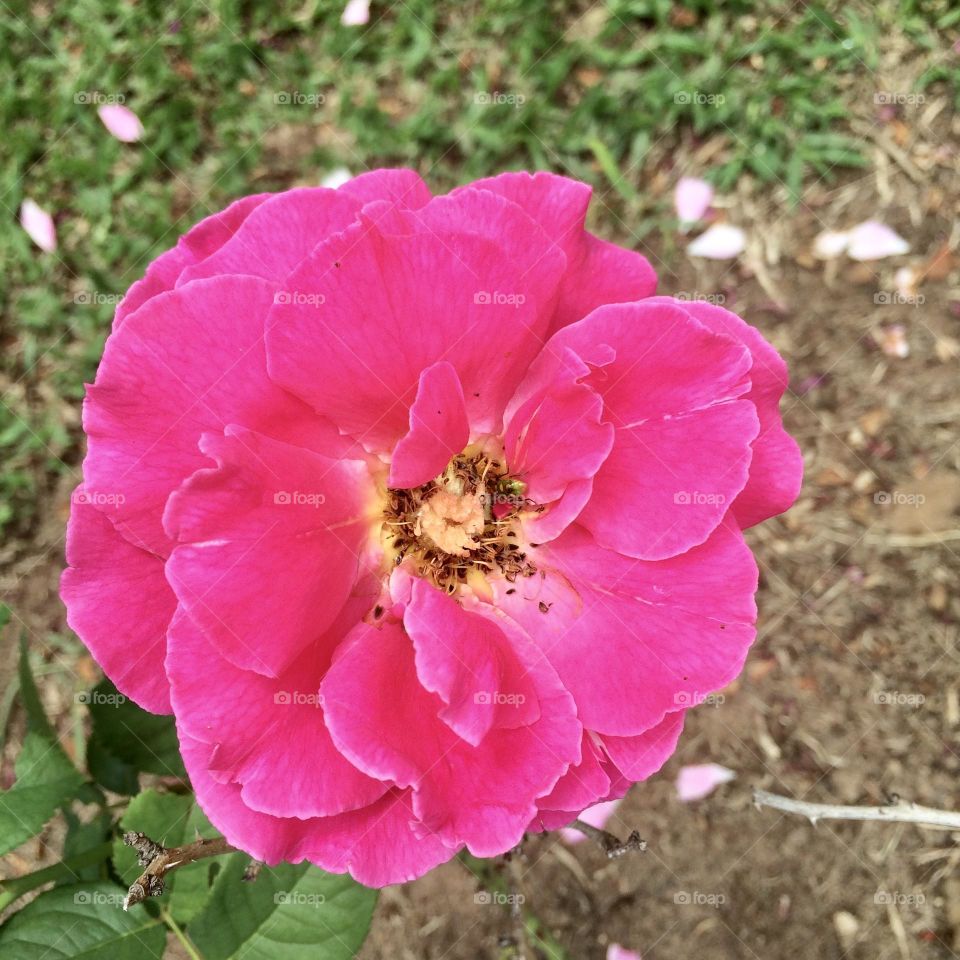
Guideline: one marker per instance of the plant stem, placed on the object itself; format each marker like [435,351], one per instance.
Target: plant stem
[15,887]
[180,935]
[895,813]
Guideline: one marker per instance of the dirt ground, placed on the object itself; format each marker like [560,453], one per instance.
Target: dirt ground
[852,691]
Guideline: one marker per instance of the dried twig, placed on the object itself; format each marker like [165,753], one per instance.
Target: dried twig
[894,813]
[612,846]
[160,861]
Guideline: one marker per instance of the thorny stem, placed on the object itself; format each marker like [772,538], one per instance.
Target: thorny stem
[896,812]
[612,846]
[160,861]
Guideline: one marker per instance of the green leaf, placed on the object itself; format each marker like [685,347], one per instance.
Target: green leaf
[82,922]
[171,819]
[36,717]
[127,740]
[45,780]
[294,911]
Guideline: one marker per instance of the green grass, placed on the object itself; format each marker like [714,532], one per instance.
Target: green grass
[582,89]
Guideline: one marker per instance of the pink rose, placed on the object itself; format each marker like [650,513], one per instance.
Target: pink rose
[421,514]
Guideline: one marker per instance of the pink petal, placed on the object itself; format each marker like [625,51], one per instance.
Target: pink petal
[118,602]
[269,542]
[697,781]
[581,786]
[830,244]
[394,304]
[269,733]
[691,199]
[616,952]
[39,225]
[641,756]
[356,13]
[675,630]
[438,429]
[483,796]
[189,360]
[402,187]
[720,242]
[872,240]
[776,469]
[597,816]
[121,122]
[200,242]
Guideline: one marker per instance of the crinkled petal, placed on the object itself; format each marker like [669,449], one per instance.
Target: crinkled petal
[389,306]
[438,429]
[482,796]
[673,631]
[119,604]
[643,755]
[269,546]
[776,469]
[189,360]
[405,188]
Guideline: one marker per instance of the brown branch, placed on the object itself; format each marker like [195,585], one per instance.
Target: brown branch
[612,846]
[160,861]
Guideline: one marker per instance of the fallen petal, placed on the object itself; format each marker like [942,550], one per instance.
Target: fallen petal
[356,13]
[616,952]
[721,242]
[699,780]
[337,177]
[692,199]
[39,226]
[893,341]
[121,122]
[872,240]
[830,244]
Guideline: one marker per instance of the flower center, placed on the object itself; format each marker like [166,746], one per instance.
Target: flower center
[461,525]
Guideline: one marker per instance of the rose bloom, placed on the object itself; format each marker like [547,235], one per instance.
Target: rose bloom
[422,515]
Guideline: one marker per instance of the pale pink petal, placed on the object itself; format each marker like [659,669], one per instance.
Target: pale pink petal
[356,13]
[39,225]
[722,241]
[597,816]
[691,199]
[121,122]
[616,952]
[872,240]
[336,178]
[699,780]
[829,244]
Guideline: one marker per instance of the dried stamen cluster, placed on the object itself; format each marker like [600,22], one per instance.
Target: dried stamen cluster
[478,502]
